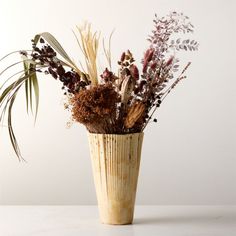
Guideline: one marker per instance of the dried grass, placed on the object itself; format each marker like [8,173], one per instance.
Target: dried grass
[88,43]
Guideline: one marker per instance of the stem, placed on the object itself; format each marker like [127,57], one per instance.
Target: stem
[14,64]
[166,93]
[19,73]
[18,51]
[10,96]
[19,78]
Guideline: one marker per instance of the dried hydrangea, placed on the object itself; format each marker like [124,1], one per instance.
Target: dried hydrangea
[96,107]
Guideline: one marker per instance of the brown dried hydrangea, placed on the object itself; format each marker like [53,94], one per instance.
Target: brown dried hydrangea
[96,107]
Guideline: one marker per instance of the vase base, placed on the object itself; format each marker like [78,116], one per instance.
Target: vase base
[117,223]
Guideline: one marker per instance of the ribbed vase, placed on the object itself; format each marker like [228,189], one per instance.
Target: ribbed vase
[115,162]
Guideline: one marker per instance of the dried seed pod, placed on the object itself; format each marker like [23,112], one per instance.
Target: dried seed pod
[127,87]
[122,58]
[169,62]
[153,65]
[134,72]
[129,54]
[135,112]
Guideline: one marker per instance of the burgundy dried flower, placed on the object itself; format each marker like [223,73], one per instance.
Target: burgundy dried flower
[108,76]
[134,71]
[169,62]
[122,58]
[153,65]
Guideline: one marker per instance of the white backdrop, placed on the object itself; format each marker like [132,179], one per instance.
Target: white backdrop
[189,156]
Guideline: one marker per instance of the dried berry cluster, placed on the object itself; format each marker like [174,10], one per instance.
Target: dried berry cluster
[126,102]
[47,57]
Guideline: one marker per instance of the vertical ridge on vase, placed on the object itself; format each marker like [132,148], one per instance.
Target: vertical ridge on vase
[115,162]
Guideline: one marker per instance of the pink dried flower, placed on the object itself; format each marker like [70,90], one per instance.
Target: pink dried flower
[134,72]
[153,65]
[169,62]
[148,55]
[122,58]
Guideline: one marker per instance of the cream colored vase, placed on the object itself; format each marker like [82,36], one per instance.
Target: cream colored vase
[115,162]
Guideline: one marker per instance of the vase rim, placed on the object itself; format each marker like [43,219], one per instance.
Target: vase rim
[115,134]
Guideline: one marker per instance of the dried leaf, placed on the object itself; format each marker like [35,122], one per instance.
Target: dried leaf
[135,112]
[126,89]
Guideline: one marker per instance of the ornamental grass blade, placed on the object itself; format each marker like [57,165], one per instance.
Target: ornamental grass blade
[11,92]
[56,45]
[10,128]
[31,85]
[7,68]
[34,81]
[30,93]
[26,70]
[17,51]
[7,93]
[14,64]
[10,77]
[26,95]
[33,88]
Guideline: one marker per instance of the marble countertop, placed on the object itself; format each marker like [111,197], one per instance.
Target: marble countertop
[149,220]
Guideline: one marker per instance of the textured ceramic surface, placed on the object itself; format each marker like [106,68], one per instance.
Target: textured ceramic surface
[115,161]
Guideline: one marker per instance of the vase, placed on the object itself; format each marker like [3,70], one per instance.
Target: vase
[115,163]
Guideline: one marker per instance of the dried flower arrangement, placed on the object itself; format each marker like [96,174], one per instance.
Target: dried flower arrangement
[108,103]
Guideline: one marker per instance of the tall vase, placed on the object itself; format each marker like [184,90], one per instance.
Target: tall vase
[115,162]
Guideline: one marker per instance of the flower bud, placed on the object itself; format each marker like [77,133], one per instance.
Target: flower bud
[122,58]
[134,72]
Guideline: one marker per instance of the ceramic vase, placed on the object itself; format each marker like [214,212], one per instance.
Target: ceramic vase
[115,163]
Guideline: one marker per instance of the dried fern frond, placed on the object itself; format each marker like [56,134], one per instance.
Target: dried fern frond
[88,43]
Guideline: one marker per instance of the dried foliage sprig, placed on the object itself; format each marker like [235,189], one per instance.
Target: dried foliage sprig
[110,103]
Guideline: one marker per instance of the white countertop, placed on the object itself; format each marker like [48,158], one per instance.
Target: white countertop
[149,220]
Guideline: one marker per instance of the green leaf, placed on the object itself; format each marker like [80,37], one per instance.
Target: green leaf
[30,94]
[10,128]
[55,44]
[14,64]
[26,70]
[36,94]
[34,88]
[26,95]
[36,38]
[8,92]
[31,83]
[18,51]
[11,91]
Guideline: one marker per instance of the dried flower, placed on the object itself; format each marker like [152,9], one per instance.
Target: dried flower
[134,71]
[122,103]
[95,105]
[135,112]
[108,76]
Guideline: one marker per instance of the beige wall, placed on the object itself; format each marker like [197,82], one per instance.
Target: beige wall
[189,156]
